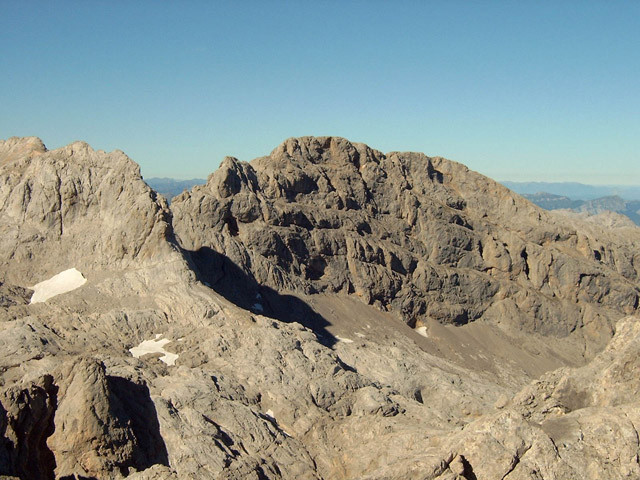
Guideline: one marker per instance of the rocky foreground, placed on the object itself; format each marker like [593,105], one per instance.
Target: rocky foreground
[327,311]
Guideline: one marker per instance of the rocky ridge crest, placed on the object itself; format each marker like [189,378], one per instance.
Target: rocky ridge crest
[423,237]
[75,206]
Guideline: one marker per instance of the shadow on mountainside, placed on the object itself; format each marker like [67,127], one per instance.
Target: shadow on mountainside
[133,406]
[221,274]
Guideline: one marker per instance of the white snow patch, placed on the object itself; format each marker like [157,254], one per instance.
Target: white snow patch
[155,346]
[269,413]
[361,335]
[258,307]
[61,283]
[422,331]
[345,340]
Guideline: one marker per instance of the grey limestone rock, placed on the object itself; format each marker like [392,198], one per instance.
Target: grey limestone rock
[423,237]
[74,207]
[294,361]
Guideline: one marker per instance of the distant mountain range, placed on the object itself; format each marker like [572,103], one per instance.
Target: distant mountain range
[613,203]
[550,201]
[574,190]
[170,187]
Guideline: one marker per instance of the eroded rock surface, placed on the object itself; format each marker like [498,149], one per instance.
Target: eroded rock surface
[301,384]
[423,237]
[74,207]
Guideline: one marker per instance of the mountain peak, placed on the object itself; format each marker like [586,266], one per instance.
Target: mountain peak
[321,150]
[424,237]
[16,147]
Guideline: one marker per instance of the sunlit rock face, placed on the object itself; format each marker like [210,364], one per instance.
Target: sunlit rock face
[327,311]
[423,237]
[74,207]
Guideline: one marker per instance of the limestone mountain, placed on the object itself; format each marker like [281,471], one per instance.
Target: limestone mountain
[423,237]
[74,206]
[326,311]
[170,187]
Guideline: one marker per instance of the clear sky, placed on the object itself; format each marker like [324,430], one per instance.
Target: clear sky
[518,90]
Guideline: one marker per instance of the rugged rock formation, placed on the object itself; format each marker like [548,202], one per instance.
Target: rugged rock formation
[488,385]
[26,420]
[569,424]
[423,237]
[74,206]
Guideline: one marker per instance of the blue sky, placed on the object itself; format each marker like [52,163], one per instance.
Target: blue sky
[545,90]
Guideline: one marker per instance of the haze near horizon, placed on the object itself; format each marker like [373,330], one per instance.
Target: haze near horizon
[544,92]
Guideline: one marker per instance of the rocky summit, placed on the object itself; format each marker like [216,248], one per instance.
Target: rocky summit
[324,312]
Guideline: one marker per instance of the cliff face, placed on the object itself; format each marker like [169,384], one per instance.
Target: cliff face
[423,237]
[76,207]
[149,368]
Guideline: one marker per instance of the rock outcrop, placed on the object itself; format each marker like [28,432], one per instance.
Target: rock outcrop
[327,245]
[74,207]
[570,424]
[26,421]
[423,237]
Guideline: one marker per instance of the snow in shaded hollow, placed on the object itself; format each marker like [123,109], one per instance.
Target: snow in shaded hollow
[258,307]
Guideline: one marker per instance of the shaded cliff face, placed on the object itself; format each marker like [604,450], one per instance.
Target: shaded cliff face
[423,237]
[74,207]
